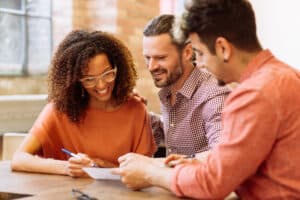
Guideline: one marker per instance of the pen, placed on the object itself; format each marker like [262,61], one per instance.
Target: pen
[76,156]
[70,153]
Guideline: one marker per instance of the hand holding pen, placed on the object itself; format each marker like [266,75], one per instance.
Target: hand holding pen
[78,156]
[76,162]
[96,162]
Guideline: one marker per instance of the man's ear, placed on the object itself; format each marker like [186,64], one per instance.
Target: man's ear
[223,49]
[188,51]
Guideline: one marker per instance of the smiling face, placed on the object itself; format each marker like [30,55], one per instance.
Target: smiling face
[101,93]
[204,58]
[162,59]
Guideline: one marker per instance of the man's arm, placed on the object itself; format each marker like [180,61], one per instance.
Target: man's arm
[157,128]
[139,171]
[212,111]
[247,126]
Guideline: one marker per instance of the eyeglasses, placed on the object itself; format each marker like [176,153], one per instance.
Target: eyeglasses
[81,195]
[107,77]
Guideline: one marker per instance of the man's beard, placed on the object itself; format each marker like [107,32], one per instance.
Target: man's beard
[171,79]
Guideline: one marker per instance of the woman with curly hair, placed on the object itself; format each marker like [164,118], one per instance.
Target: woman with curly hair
[90,110]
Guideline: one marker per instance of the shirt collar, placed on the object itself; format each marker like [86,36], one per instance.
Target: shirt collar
[191,84]
[188,88]
[256,63]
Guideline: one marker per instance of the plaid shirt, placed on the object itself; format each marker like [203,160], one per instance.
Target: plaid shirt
[193,123]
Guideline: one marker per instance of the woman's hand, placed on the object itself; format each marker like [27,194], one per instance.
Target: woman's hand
[75,165]
[135,94]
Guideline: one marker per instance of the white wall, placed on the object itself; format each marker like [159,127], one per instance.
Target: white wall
[18,112]
[278,26]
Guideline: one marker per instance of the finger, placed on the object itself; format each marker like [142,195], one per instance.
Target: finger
[127,156]
[172,157]
[122,158]
[76,172]
[132,187]
[124,163]
[81,160]
[82,155]
[124,180]
[117,171]
[78,165]
[74,166]
[173,163]
[74,160]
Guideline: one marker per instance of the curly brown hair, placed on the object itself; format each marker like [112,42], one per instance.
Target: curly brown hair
[71,60]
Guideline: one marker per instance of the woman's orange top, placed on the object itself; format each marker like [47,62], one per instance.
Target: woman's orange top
[103,135]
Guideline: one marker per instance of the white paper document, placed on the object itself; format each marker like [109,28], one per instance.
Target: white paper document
[101,173]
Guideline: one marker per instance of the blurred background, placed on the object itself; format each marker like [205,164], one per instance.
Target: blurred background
[30,31]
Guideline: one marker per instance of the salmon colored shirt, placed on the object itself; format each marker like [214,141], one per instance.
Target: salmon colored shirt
[104,135]
[259,152]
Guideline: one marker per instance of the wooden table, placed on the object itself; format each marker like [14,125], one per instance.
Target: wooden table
[43,186]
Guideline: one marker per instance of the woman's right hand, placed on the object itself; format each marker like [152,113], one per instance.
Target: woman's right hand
[75,165]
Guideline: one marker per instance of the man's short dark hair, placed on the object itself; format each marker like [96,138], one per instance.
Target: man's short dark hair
[231,19]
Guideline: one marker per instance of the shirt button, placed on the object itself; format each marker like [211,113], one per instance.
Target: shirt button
[169,150]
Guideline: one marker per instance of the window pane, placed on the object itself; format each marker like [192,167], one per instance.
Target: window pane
[26,39]
[11,43]
[11,4]
[39,7]
[39,45]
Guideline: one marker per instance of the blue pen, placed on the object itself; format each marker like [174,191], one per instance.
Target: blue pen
[76,156]
[70,153]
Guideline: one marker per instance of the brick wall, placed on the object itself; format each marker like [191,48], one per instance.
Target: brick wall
[132,17]
[124,18]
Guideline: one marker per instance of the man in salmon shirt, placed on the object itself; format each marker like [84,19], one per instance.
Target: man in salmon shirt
[258,155]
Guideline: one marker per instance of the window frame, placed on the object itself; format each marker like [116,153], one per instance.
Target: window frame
[24,67]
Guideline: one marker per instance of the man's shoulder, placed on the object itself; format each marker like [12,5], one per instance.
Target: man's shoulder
[208,86]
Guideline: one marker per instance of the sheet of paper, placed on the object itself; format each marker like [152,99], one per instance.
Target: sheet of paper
[101,173]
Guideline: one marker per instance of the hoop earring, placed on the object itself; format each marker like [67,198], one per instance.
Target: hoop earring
[82,92]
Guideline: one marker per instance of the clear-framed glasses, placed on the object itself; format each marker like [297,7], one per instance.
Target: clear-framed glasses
[107,77]
[81,195]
